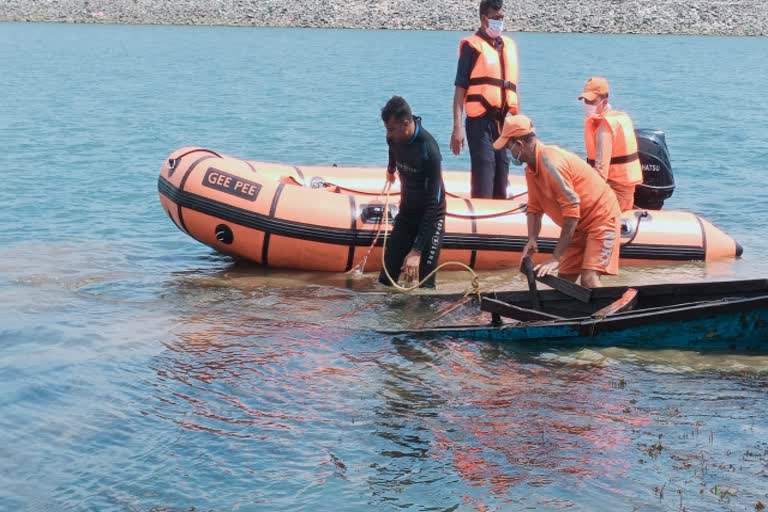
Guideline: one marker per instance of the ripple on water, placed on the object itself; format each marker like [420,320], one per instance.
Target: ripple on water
[140,370]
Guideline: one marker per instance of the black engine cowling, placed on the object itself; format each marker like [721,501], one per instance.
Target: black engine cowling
[658,180]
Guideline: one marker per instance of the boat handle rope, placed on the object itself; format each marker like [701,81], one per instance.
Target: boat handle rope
[341,188]
[520,209]
[471,216]
[643,215]
[174,162]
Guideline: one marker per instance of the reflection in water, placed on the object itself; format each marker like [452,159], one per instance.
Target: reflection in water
[272,393]
[503,422]
[518,426]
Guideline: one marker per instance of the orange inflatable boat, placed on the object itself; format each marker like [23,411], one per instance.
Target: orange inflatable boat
[326,218]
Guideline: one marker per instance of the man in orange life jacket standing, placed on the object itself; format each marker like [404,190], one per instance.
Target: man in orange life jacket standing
[609,137]
[486,87]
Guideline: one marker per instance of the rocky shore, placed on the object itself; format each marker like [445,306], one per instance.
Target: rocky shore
[703,17]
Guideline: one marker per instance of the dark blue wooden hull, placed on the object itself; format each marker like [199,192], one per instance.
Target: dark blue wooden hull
[734,325]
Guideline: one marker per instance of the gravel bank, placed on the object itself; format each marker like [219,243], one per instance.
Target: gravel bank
[704,17]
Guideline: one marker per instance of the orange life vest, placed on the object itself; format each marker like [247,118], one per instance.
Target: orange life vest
[625,162]
[493,81]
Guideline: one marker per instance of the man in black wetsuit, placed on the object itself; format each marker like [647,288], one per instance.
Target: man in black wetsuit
[414,245]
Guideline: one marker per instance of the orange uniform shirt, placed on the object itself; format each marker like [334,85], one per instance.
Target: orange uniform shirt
[564,185]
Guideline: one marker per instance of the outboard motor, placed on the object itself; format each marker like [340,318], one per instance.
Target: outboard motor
[658,180]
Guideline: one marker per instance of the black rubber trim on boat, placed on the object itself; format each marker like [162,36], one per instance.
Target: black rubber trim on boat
[662,252]
[272,210]
[341,236]
[473,255]
[184,182]
[353,227]
[703,235]
[174,221]
[739,249]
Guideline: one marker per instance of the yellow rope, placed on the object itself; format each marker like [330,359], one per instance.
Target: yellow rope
[360,267]
[475,282]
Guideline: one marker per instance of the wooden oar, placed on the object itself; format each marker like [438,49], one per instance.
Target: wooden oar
[526,267]
[570,289]
[500,308]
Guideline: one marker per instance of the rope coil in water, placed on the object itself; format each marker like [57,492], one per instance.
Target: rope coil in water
[383,224]
[475,282]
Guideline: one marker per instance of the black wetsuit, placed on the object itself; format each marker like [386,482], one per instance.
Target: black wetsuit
[420,223]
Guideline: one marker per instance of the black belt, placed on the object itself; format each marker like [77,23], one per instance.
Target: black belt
[487,80]
[495,113]
[618,160]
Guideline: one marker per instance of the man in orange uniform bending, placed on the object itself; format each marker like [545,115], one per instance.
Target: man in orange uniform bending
[611,144]
[574,196]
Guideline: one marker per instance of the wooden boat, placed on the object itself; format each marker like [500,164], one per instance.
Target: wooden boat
[712,316]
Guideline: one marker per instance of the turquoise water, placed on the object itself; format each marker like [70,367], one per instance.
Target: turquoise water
[140,371]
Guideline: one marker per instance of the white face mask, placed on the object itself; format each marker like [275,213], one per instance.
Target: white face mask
[495,28]
[515,160]
[589,110]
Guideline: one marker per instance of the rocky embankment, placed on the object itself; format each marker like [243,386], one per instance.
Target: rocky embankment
[704,17]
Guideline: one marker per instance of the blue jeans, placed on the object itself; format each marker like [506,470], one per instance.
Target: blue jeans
[490,169]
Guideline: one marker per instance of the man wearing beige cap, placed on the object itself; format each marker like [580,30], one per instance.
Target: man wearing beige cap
[566,189]
[610,141]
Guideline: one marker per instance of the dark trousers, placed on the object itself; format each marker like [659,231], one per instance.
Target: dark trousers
[490,169]
[400,242]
